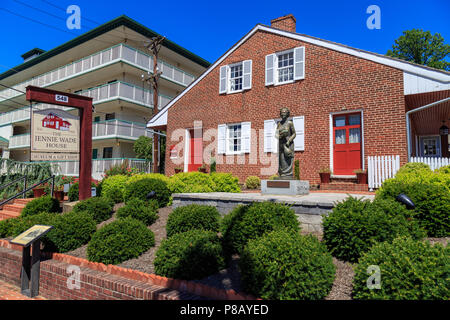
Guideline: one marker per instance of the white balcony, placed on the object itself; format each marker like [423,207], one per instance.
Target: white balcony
[115,90]
[19,141]
[117,53]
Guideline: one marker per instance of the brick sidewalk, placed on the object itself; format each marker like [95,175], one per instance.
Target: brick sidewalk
[11,292]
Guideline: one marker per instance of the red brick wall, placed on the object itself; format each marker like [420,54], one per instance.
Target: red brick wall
[333,82]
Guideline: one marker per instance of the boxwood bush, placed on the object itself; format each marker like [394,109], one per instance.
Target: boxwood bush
[74,189]
[252,221]
[139,189]
[71,230]
[99,208]
[410,270]
[191,217]
[354,225]
[140,210]
[432,201]
[225,182]
[191,182]
[283,265]
[119,241]
[194,254]
[113,187]
[42,204]
[252,182]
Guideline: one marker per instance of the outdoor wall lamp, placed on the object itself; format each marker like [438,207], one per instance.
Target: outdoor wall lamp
[404,199]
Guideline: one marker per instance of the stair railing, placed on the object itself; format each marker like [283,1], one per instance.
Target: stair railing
[6,185]
[23,192]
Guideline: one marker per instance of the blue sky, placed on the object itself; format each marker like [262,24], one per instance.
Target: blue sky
[209,28]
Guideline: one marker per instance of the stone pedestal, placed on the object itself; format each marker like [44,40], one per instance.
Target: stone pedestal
[286,187]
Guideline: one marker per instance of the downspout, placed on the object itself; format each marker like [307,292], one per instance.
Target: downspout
[408,124]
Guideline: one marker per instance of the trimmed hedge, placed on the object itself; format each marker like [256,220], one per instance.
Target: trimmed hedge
[354,225]
[113,187]
[252,221]
[190,255]
[409,269]
[191,182]
[284,265]
[191,217]
[71,230]
[140,189]
[252,182]
[119,241]
[42,204]
[432,202]
[74,189]
[139,210]
[99,208]
[225,182]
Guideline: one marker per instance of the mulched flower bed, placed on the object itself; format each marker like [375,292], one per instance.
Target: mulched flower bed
[229,278]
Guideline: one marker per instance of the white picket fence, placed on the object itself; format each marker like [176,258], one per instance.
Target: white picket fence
[434,163]
[380,168]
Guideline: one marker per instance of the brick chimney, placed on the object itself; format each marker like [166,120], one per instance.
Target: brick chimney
[287,23]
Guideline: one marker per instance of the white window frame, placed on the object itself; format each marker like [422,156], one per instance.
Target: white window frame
[229,79]
[276,68]
[227,139]
[438,145]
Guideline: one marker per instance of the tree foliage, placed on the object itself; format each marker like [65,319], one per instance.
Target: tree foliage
[143,148]
[423,48]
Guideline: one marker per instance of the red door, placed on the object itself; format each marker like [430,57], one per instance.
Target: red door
[195,152]
[347,143]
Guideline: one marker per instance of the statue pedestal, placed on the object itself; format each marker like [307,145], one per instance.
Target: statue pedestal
[285,187]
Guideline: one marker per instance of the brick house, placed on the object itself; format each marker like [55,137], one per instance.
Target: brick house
[54,122]
[346,104]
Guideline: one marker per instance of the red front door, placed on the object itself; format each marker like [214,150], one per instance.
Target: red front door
[346,143]
[195,151]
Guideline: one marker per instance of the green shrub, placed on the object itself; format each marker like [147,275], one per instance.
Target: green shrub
[191,182]
[284,265]
[225,182]
[416,168]
[274,177]
[42,204]
[98,207]
[141,176]
[140,189]
[12,227]
[443,170]
[140,210]
[252,182]
[212,166]
[410,270]
[354,225]
[70,230]
[113,187]
[74,189]
[119,241]
[194,254]
[297,169]
[252,221]
[432,201]
[191,217]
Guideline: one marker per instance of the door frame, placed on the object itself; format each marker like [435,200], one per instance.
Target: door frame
[187,146]
[331,141]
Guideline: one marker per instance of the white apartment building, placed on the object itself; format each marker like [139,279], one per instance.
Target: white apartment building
[107,64]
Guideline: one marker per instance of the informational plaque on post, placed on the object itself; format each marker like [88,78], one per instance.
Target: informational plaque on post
[55,135]
[31,235]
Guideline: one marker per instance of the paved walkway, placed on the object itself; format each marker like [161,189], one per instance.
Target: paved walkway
[11,292]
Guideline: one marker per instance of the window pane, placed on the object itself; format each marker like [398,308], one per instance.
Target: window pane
[354,135]
[354,120]
[339,121]
[339,136]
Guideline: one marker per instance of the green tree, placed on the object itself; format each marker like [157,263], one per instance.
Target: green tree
[423,48]
[143,148]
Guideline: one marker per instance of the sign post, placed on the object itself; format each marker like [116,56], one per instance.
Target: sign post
[59,130]
[31,266]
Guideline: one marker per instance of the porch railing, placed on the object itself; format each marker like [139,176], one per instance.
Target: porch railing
[380,168]
[433,162]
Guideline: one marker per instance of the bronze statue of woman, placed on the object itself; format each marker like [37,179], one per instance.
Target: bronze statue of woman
[285,134]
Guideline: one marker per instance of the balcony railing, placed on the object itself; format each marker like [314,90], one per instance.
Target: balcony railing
[119,129]
[103,93]
[19,141]
[108,129]
[120,52]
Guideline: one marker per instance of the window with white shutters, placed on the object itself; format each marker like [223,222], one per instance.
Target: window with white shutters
[285,67]
[236,77]
[234,138]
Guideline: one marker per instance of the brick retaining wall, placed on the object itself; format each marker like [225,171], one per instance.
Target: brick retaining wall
[105,282]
